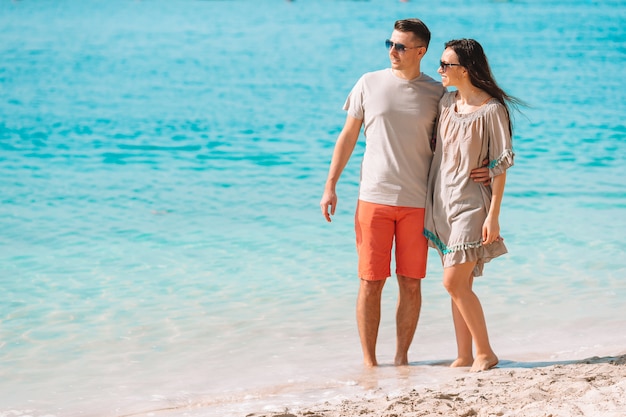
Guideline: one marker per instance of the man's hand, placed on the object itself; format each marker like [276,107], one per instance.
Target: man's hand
[329,200]
[481,174]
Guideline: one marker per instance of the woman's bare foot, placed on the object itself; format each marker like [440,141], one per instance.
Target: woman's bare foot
[461,362]
[485,362]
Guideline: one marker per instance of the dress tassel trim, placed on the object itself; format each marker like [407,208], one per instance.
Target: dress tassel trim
[445,249]
[506,156]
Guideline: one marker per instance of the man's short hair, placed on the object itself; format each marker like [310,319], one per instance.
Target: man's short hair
[415,26]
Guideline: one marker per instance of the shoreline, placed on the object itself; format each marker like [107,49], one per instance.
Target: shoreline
[594,386]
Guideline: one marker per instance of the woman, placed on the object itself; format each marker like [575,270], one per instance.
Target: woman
[462,215]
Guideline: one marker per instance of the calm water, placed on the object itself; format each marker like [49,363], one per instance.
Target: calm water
[161,245]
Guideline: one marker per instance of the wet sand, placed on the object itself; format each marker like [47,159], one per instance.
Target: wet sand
[593,387]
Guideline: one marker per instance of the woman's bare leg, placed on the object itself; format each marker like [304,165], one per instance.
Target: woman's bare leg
[457,280]
[465,356]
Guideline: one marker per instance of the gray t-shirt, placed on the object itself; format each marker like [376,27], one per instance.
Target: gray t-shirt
[399,117]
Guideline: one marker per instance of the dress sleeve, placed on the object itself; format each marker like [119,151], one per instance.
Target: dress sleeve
[500,143]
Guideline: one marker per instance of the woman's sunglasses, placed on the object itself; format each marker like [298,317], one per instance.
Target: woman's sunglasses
[444,65]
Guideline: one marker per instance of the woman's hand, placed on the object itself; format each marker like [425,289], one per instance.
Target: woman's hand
[491,230]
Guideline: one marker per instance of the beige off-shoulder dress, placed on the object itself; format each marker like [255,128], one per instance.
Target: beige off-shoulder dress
[456,206]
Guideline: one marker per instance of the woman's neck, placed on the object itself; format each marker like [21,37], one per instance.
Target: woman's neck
[470,98]
[470,95]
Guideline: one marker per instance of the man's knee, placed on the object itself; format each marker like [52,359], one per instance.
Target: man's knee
[372,288]
[410,285]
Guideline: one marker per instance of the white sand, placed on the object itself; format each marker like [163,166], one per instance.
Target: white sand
[594,387]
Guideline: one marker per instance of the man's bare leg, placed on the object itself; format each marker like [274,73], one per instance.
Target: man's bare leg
[368,318]
[456,279]
[465,357]
[407,316]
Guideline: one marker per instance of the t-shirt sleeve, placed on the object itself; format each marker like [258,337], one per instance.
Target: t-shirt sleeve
[354,102]
[500,142]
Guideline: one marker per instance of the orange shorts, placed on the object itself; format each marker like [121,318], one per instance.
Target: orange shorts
[376,226]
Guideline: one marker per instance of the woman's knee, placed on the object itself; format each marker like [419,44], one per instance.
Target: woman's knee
[451,285]
[457,279]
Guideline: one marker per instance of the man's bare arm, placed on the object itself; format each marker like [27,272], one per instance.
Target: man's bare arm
[481,174]
[346,141]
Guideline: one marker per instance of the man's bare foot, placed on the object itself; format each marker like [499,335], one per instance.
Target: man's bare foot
[483,363]
[401,361]
[370,363]
[462,362]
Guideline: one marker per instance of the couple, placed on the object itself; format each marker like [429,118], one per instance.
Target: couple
[409,195]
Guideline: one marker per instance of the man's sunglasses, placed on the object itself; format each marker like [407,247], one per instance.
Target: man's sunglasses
[398,46]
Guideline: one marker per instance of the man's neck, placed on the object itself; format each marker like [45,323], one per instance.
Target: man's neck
[407,74]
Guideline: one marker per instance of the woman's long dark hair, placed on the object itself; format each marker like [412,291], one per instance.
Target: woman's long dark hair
[472,56]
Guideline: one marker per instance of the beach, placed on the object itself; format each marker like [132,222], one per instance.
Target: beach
[163,252]
[593,387]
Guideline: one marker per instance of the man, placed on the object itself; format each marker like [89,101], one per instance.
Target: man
[397,107]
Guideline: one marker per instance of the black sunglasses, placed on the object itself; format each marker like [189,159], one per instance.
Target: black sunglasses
[444,66]
[399,47]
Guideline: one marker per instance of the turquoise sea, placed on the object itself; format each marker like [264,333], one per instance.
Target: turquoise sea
[162,250]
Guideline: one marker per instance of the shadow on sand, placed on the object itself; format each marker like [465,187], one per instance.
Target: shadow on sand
[507,364]
[613,360]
